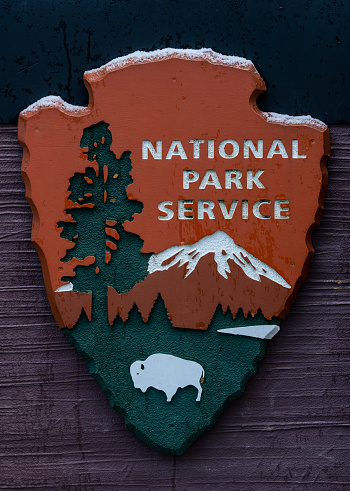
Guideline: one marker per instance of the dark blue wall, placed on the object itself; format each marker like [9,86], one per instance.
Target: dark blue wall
[300,47]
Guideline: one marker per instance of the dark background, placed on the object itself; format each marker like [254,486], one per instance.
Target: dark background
[299,47]
[290,430]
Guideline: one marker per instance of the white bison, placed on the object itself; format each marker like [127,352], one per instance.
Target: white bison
[167,373]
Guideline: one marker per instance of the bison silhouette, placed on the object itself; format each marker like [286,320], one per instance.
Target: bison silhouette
[167,373]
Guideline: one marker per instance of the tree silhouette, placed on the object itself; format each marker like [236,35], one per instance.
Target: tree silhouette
[100,207]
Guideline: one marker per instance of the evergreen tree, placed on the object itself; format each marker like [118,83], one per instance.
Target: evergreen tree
[100,207]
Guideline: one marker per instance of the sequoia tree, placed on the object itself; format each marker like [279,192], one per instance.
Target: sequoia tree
[99,208]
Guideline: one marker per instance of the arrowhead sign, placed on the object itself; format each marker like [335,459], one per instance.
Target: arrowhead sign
[173,221]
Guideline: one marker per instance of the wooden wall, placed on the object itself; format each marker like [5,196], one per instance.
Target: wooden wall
[289,431]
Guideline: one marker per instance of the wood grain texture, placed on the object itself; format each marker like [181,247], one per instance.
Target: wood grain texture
[289,431]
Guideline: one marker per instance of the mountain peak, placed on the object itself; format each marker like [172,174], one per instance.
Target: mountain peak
[224,248]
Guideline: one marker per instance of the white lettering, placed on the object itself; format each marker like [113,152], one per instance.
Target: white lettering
[168,213]
[295,150]
[250,149]
[196,144]
[182,209]
[180,150]
[227,215]
[245,209]
[189,176]
[147,146]
[233,176]
[256,209]
[206,207]
[214,180]
[254,179]
[258,153]
[277,151]
[280,206]
[210,149]
[235,149]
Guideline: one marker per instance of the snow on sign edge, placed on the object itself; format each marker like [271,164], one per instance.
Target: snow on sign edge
[203,54]
[139,57]
[54,102]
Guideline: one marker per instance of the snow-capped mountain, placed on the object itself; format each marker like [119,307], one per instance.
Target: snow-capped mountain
[223,248]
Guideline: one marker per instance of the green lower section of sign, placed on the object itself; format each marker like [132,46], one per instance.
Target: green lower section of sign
[181,378]
[228,362]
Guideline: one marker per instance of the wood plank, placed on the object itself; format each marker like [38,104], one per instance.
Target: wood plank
[289,431]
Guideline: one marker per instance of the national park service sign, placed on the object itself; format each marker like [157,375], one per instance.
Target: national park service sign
[173,220]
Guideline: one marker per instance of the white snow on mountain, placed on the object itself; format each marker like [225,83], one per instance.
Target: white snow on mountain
[223,248]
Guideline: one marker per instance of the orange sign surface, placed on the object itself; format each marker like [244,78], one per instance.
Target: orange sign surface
[230,194]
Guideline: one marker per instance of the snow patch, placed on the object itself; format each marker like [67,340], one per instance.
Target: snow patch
[53,101]
[271,117]
[223,248]
[160,54]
